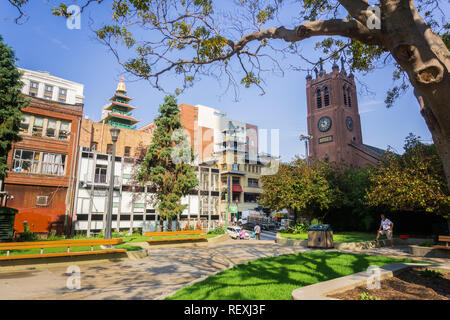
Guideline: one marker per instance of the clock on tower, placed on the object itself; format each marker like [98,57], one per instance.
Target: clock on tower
[334,124]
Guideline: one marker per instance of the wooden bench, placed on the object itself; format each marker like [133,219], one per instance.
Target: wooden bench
[10,246]
[175,235]
[445,239]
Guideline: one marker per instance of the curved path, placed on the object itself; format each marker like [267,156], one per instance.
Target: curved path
[162,273]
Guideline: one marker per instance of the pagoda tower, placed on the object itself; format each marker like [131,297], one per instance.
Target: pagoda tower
[118,112]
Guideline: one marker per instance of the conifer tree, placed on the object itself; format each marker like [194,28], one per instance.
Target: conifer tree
[167,162]
[11,101]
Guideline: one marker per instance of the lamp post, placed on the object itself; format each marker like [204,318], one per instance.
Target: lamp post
[108,225]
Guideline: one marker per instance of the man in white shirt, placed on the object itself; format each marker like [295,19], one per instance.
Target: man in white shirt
[257,230]
[386,228]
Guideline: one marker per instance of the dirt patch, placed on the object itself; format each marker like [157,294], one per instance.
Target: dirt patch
[408,285]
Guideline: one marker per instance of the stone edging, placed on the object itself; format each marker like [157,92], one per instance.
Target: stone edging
[134,255]
[321,290]
[351,245]
[429,252]
[219,238]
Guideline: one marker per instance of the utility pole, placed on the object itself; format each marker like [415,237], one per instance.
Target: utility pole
[108,224]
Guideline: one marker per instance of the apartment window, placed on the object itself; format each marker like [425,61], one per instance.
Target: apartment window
[62,95]
[251,197]
[53,163]
[34,86]
[100,173]
[109,148]
[51,128]
[236,180]
[24,124]
[38,125]
[253,183]
[64,130]
[25,161]
[48,92]
[127,151]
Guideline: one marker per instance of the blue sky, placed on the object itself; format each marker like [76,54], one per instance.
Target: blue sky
[44,43]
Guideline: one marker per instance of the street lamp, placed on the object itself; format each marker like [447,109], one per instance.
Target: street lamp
[108,225]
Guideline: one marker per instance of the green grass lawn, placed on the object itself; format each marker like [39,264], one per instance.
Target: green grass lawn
[139,238]
[48,250]
[337,237]
[275,278]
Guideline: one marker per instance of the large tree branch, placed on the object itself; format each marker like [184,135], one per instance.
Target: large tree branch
[335,27]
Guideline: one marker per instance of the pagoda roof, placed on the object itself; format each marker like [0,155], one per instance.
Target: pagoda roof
[121,96]
[121,116]
[109,107]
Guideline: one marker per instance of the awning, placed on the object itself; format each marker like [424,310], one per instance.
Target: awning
[236,188]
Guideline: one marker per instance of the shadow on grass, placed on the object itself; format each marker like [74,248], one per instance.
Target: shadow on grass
[274,278]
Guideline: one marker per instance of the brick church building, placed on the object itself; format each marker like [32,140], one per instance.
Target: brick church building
[334,124]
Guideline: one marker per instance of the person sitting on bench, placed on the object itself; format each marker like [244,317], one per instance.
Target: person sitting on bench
[386,228]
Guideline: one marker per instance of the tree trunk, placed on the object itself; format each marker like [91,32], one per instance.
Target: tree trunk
[426,60]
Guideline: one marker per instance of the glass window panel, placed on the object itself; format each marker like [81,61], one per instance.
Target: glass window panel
[37,126]
[64,130]
[51,128]
[25,161]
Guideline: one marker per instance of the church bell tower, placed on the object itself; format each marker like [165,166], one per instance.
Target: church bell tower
[334,124]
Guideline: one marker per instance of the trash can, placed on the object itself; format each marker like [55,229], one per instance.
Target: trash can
[320,236]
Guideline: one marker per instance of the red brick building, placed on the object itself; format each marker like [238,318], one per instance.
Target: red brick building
[334,124]
[42,166]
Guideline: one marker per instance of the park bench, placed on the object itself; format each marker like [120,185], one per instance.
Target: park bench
[10,246]
[176,235]
[445,239]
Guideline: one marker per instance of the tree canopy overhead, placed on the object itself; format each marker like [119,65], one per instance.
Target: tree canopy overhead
[244,41]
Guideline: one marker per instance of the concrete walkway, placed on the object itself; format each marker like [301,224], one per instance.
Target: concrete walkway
[163,272]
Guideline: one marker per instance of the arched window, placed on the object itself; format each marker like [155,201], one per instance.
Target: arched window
[319,98]
[326,97]
[345,95]
[349,93]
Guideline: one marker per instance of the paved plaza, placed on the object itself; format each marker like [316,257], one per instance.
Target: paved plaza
[162,273]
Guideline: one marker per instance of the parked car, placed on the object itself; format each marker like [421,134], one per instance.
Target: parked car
[249,226]
[233,232]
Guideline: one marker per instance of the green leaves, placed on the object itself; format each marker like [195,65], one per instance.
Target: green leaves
[171,179]
[414,181]
[11,101]
[299,188]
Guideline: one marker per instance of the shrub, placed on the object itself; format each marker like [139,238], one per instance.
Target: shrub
[427,273]
[217,230]
[301,227]
[367,296]
[426,244]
